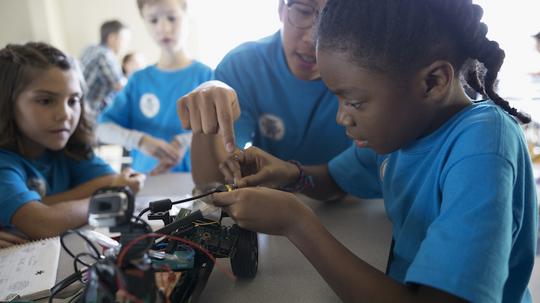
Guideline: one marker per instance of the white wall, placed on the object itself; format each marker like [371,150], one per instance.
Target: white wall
[511,24]
[216,26]
[15,22]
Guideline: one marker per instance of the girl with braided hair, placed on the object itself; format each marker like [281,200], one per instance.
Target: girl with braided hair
[47,168]
[454,174]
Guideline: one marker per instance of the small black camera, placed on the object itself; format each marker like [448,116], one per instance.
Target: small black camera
[110,207]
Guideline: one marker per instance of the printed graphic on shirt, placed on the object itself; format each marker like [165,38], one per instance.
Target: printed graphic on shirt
[271,126]
[382,169]
[38,185]
[149,105]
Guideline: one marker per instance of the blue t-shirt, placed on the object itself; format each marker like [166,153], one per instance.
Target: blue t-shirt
[462,202]
[281,114]
[148,104]
[23,180]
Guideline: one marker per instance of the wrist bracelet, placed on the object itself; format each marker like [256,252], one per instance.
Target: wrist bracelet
[302,182]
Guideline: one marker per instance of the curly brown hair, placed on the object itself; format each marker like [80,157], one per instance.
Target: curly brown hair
[18,66]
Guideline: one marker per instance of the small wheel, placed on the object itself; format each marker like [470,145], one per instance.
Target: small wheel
[245,261]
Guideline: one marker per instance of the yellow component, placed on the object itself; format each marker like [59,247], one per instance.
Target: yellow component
[229,187]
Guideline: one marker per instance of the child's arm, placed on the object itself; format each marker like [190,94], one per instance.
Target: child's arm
[280,213]
[133,180]
[112,133]
[38,220]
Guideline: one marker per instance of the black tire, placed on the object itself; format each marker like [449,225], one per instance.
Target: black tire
[245,261]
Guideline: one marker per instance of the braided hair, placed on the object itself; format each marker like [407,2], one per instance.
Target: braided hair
[19,65]
[401,36]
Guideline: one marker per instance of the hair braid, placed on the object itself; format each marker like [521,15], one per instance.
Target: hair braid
[400,36]
[466,19]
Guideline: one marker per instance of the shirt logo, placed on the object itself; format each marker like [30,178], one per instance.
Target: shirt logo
[149,105]
[271,126]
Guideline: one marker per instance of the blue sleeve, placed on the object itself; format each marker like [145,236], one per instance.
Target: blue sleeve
[467,248]
[245,126]
[119,112]
[356,171]
[87,170]
[15,192]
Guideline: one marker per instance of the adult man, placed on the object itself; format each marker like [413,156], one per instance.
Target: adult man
[101,68]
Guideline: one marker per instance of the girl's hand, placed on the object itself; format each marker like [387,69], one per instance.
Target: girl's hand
[265,210]
[159,149]
[211,109]
[8,239]
[255,167]
[130,178]
[181,144]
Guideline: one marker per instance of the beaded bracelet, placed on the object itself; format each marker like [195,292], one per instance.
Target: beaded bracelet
[301,182]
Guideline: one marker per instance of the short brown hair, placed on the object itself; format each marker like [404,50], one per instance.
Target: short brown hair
[142,3]
[108,28]
[18,67]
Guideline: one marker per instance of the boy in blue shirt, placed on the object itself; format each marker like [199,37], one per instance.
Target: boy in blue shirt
[143,116]
[455,175]
[285,106]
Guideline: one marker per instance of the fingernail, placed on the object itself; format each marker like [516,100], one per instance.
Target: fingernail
[229,147]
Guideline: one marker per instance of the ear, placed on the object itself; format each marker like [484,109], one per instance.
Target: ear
[437,79]
[281,10]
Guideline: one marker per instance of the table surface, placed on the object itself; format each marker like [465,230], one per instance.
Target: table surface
[284,274]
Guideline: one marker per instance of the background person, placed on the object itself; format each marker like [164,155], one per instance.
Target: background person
[101,69]
[143,117]
[286,109]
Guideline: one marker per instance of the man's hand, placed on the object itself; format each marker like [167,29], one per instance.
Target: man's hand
[211,109]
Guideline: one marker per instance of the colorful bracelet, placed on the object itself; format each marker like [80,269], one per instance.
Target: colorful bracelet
[302,182]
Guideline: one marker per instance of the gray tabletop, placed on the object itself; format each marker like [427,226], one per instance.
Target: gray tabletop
[284,275]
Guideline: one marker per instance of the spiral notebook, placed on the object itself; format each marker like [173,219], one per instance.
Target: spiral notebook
[29,270]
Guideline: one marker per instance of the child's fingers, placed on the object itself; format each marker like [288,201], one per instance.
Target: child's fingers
[183,111]
[251,180]
[224,199]
[161,168]
[168,153]
[226,123]
[195,113]
[209,122]
[11,238]
[227,173]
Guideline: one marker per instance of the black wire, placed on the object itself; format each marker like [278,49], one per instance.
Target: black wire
[146,225]
[70,231]
[66,282]
[142,213]
[196,197]
[77,260]
[63,284]
[181,201]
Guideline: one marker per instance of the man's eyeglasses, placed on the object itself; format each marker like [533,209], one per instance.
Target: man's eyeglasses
[301,15]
